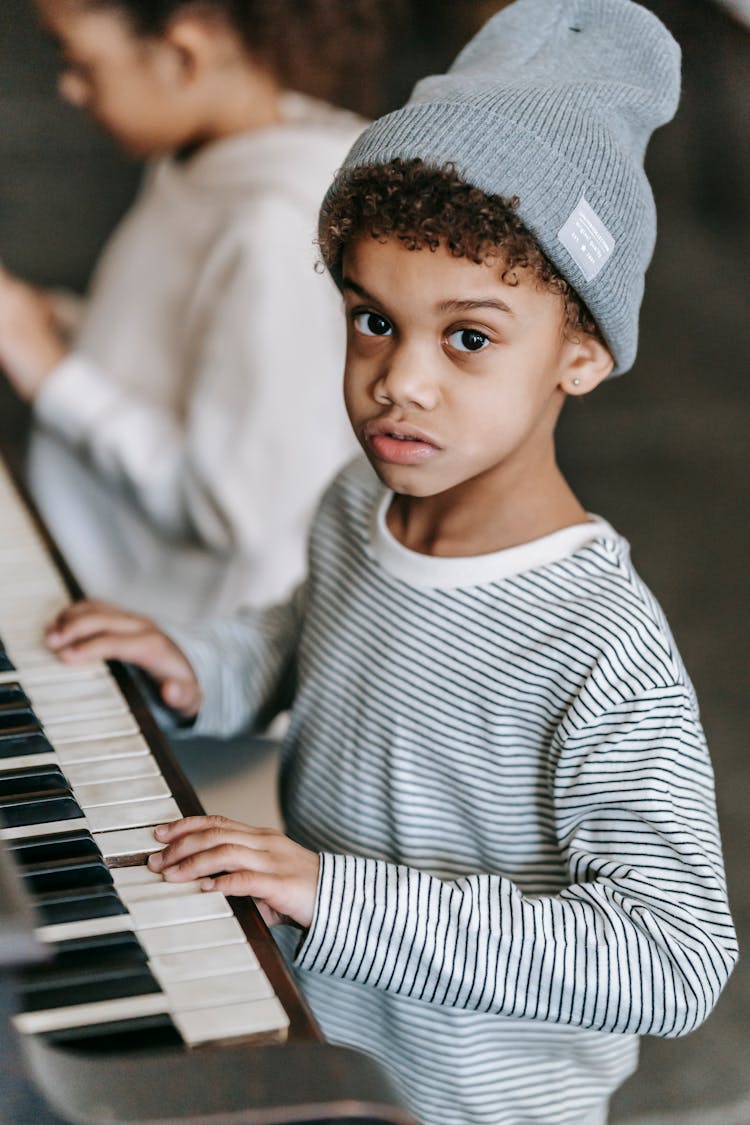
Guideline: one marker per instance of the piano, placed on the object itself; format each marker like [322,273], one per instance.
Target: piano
[152,1002]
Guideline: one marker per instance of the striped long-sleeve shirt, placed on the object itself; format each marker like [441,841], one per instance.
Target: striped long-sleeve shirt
[501,763]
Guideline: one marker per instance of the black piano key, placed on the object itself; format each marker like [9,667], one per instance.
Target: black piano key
[78,906]
[21,812]
[33,781]
[36,795]
[12,694]
[15,719]
[87,953]
[137,981]
[145,1033]
[20,744]
[74,875]
[40,853]
[6,664]
[26,727]
[65,971]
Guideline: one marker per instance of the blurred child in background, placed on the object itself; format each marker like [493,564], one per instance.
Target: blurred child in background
[187,420]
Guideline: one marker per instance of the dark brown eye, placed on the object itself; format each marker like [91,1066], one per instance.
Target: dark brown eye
[372,324]
[468,340]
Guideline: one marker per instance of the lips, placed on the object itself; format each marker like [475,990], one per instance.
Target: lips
[398,444]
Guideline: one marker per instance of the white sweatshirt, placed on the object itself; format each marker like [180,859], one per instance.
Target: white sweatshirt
[180,449]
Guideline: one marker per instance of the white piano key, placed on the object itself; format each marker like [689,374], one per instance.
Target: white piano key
[202,1025]
[185,908]
[86,678]
[217,990]
[22,761]
[59,713]
[22,570]
[39,661]
[26,536]
[75,676]
[27,591]
[84,730]
[27,831]
[93,794]
[136,876]
[127,843]
[142,892]
[41,671]
[24,561]
[88,1015]
[111,770]
[197,963]
[86,927]
[116,746]
[110,818]
[97,686]
[25,642]
[187,937]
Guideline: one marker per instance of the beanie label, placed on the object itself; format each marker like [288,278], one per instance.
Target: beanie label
[586,239]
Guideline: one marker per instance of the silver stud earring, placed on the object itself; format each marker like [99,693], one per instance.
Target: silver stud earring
[576,382]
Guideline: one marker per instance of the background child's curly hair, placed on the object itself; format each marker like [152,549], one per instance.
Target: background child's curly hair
[330,48]
[426,207]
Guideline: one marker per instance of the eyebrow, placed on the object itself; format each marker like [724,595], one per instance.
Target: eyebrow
[348,283]
[453,306]
[479,303]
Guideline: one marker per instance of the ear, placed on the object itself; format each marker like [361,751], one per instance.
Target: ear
[193,45]
[587,364]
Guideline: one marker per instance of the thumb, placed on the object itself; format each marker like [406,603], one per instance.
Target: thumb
[177,694]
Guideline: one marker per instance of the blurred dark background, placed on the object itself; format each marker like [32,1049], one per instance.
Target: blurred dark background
[662,452]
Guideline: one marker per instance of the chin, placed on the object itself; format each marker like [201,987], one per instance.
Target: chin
[137,148]
[405,482]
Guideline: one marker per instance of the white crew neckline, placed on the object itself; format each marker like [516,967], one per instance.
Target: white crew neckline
[438,572]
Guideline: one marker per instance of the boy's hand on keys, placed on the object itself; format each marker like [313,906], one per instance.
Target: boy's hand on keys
[280,875]
[94,630]
[31,344]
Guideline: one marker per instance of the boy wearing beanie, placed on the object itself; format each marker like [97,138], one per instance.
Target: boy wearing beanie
[502,843]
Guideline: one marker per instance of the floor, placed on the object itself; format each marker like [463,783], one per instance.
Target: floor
[663,452]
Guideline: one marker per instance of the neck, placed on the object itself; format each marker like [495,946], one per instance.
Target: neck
[254,104]
[243,101]
[486,515]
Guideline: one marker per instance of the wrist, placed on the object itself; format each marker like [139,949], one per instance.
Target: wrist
[50,355]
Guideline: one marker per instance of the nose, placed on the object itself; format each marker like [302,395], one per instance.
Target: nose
[408,378]
[72,88]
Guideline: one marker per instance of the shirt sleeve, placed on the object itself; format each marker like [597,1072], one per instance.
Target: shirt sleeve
[640,941]
[245,666]
[239,465]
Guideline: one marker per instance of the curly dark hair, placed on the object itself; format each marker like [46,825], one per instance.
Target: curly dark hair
[427,207]
[330,48]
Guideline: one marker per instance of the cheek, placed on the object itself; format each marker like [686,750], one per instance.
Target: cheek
[496,418]
[357,380]
[353,396]
[134,125]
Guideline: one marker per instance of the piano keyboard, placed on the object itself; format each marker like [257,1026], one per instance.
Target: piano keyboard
[80,794]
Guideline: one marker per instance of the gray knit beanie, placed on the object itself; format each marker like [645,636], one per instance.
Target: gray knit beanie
[554,101]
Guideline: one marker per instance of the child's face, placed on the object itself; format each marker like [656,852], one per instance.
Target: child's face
[123,82]
[454,378]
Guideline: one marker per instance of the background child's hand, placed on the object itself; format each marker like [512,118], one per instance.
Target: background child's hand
[31,343]
[280,875]
[95,630]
